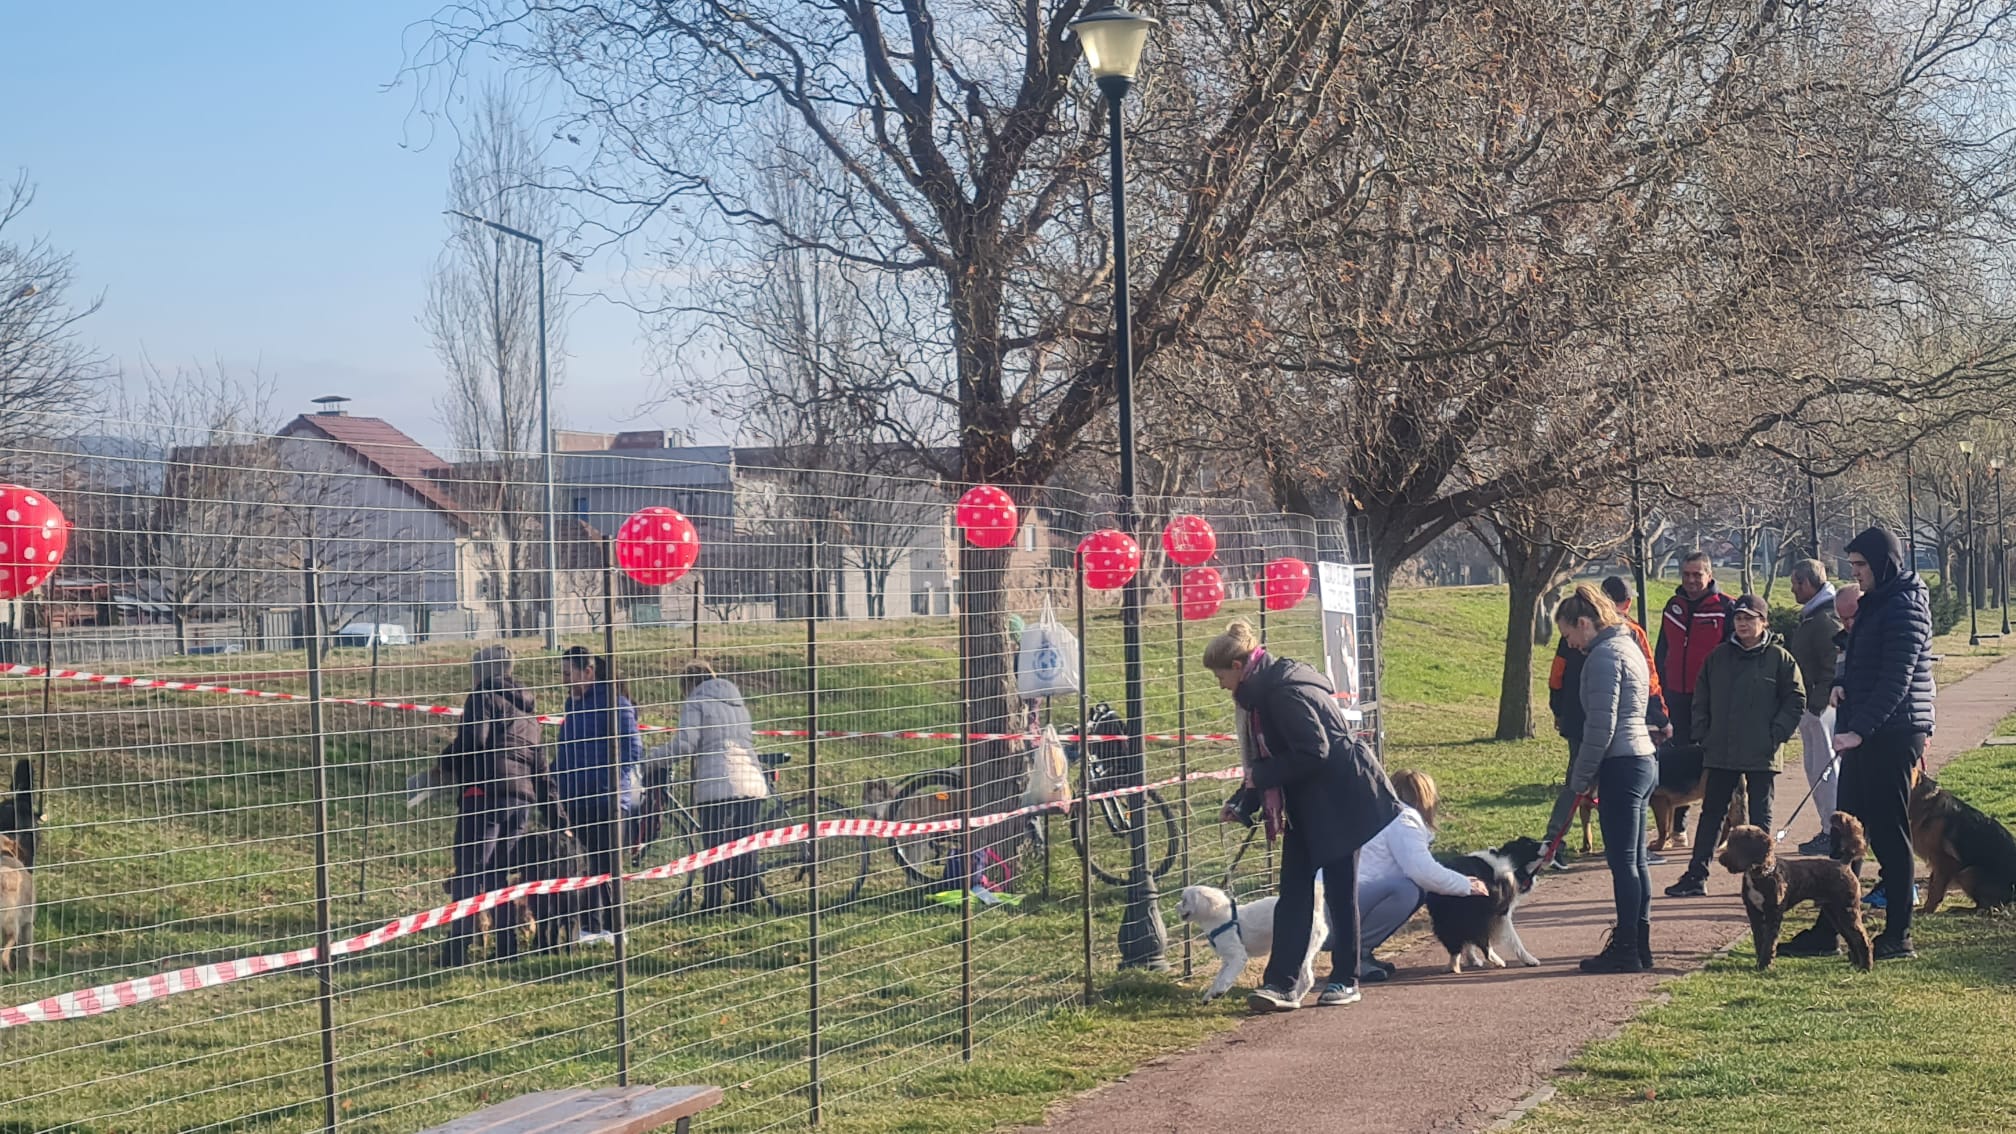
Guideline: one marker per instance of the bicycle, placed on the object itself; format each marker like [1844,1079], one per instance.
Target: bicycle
[843,863]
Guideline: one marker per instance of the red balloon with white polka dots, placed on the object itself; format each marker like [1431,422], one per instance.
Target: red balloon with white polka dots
[987,515]
[657,546]
[33,537]
[1111,557]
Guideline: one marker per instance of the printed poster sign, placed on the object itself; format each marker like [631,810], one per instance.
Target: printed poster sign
[1340,632]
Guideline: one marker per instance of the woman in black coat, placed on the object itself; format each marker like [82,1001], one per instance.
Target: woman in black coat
[1319,788]
[498,767]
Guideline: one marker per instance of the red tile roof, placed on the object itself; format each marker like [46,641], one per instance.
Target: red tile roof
[382,446]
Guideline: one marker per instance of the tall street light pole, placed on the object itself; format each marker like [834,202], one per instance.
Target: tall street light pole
[1112,39]
[2001,546]
[545,429]
[1973,557]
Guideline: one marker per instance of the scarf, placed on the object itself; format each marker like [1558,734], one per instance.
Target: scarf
[1252,748]
[1824,598]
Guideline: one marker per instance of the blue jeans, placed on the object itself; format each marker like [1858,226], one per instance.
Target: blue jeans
[1623,787]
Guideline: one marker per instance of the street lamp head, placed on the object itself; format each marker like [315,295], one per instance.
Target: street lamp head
[1112,39]
[1967,449]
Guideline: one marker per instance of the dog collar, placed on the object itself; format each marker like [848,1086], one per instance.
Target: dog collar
[1232,924]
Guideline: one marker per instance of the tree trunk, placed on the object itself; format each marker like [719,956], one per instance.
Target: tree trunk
[1515,688]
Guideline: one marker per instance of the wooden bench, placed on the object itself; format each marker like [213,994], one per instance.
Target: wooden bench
[604,1110]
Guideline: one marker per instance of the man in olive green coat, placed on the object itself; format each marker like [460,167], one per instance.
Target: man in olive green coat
[1747,704]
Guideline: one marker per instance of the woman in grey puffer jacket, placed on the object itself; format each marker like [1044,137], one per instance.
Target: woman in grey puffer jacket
[1614,759]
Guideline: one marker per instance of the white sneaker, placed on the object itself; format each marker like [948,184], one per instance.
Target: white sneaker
[588,938]
[1336,995]
[1265,999]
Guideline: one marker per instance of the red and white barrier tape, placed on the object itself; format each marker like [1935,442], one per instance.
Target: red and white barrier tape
[124,994]
[452,711]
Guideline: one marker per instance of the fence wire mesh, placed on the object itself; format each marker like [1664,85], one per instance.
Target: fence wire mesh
[222,582]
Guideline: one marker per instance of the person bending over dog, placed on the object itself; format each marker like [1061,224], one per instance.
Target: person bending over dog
[1747,704]
[1319,788]
[1396,872]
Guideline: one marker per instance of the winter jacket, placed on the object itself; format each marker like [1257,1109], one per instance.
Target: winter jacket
[581,763]
[1812,646]
[1336,795]
[1615,684]
[1690,630]
[496,758]
[1400,849]
[715,732]
[1564,688]
[1886,676]
[1747,705]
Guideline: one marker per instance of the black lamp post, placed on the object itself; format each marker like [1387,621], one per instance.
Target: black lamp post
[2001,547]
[1112,39]
[1973,548]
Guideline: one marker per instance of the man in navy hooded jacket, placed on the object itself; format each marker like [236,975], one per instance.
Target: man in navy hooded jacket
[1883,695]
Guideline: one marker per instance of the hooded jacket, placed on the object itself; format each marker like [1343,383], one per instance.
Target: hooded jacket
[1886,675]
[1812,646]
[715,731]
[1615,684]
[496,758]
[1690,630]
[1747,705]
[1335,793]
[581,763]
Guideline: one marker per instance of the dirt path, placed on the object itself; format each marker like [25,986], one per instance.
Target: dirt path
[1435,1052]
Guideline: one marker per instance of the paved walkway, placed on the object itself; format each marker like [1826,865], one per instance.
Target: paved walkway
[1435,1052]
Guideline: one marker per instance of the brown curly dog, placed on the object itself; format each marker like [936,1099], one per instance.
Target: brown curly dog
[1771,886]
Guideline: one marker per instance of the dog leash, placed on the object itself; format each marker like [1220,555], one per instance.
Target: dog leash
[1833,766]
[1556,838]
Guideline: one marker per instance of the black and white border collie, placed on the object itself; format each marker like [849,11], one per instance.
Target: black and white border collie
[1479,929]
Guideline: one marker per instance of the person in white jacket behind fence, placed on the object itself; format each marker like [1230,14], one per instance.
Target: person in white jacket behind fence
[729,787]
[1396,871]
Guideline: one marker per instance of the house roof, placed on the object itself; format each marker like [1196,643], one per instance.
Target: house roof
[382,446]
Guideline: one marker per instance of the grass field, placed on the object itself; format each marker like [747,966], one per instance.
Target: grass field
[1913,1047]
[181,832]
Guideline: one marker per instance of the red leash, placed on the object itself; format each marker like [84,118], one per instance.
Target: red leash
[1555,840]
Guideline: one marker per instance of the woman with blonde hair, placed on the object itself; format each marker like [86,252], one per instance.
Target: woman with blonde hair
[1614,759]
[1320,790]
[1396,872]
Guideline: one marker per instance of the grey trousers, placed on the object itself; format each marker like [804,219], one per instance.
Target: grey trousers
[1384,905]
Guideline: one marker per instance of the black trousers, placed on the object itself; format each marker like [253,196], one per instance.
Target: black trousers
[602,844]
[724,822]
[1680,714]
[1719,790]
[1295,914]
[1876,788]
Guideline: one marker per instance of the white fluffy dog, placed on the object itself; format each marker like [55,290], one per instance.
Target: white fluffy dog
[1238,933]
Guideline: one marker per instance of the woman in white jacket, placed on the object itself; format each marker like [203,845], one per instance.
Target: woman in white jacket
[1396,871]
[729,787]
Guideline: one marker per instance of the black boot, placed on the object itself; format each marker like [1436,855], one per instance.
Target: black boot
[1645,945]
[1619,955]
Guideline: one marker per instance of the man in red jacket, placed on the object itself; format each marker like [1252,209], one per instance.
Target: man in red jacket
[1693,626]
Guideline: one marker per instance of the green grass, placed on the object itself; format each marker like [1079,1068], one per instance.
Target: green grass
[1814,1045]
[180,833]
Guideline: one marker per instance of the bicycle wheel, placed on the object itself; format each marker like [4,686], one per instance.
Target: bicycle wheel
[786,870]
[678,835]
[927,798]
[1112,858]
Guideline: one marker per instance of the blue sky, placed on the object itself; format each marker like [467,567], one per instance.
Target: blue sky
[238,182]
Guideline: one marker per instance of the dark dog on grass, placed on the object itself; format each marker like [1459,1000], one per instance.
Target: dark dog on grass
[1771,886]
[553,854]
[1966,848]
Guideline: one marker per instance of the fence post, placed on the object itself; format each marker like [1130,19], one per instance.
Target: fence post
[1084,816]
[318,744]
[1182,764]
[960,594]
[812,822]
[699,584]
[370,771]
[48,722]
[1267,852]
[613,908]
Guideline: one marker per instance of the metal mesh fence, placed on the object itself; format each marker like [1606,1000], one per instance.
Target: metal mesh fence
[234,692]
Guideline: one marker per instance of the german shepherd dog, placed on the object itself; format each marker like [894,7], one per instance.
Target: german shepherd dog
[1966,848]
[556,917]
[17,863]
[1683,780]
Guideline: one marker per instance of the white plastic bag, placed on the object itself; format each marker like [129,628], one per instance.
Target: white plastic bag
[1048,663]
[1048,773]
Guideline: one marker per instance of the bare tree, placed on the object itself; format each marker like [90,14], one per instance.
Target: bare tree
[44,367]
[482,314]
